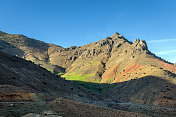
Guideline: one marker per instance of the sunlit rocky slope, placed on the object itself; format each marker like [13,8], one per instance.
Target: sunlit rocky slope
[126,73]
[111,60]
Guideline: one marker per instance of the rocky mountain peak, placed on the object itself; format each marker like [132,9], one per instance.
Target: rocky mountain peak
[137,40]
[116,35]
[140,44]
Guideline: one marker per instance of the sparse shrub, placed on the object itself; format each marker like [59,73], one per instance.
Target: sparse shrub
[166,97]
[168,89]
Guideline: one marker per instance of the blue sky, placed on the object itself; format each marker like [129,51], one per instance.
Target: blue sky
[78,22]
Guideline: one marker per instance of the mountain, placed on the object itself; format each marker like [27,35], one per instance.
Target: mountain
[115,59]
[29,49]
[95,62]
[126,74]
[28,88]
[103,61]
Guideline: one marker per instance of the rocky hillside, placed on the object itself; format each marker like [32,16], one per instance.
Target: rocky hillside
[127,73]
[115,59]
[29,49]
[25,75]
[111,60]
[29,90]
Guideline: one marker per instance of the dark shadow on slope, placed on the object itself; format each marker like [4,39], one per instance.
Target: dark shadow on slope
[145,90]
[96,87]
[10,49]
[15,71]
[148,95]
[58,70]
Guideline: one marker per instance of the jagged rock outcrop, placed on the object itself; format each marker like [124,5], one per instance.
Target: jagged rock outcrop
[140,44]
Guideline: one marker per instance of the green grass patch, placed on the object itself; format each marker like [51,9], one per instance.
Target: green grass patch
[77,77]
[95,80]
[59,74]
[108,79]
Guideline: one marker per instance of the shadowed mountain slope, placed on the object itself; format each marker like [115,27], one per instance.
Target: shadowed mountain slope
[25,75]
[149,95]
[149,90]
[28,88]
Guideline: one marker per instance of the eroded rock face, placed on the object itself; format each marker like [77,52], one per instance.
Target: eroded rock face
[140,44]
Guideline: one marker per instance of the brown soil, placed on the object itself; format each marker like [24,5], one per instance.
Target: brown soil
[16,96]
[128,70]
[169,67]
[70,108]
